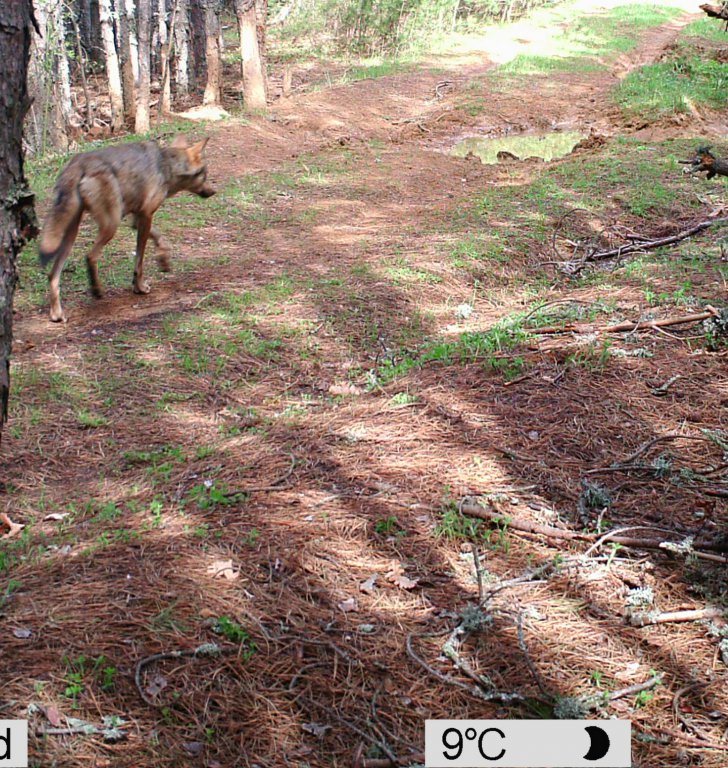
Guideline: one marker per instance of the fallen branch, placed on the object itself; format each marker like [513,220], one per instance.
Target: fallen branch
[205,650]
[715,11]
[693,741]
[628,325]
[624,250]
[697,732]
[646,447]
[474,509]
[645,619]
[632,690]
[663,323]
[505,697]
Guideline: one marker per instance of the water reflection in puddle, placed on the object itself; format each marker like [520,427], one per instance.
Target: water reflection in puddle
[546,146]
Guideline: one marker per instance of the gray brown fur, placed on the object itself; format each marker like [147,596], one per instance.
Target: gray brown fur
[127,180]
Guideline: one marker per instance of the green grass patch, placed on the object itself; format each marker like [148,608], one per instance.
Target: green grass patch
[671,87]
[707,29]
[586,38]
[370,71]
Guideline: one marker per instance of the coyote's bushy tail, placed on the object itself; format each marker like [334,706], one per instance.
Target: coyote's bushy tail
[61,224]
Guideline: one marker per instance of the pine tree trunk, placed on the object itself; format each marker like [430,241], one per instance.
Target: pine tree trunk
[166,97]
[144,24]
[128,57]
[131,15]
[51,106]
[64,72]
[17,216]
[254,91]
[181,46]
[197,21]
[112,65]
[261,19]
[96,43]
[212,53]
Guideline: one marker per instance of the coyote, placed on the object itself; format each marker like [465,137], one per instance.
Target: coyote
[130,179]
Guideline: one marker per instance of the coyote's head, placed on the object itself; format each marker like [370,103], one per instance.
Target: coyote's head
[189,169]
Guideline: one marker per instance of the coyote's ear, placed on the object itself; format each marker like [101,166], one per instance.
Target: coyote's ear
[179,142]
[199,147]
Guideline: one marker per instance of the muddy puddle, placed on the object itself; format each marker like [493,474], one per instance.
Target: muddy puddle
[547,146]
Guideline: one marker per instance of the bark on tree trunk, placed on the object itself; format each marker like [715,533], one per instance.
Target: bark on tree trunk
[197,19]
[144,23]
[254,91]
[166,97]
[17,215]
[64,72]
[96,45]
[127,61]
[261,18]
[212,52]
[181,50]
[113,75]
[51,105]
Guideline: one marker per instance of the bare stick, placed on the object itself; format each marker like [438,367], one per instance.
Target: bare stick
[535,674]
[473,509]
[628,325]
[658,243]
[672,617]
[661,439]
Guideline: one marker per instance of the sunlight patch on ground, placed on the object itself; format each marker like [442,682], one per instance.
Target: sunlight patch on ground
[541,33]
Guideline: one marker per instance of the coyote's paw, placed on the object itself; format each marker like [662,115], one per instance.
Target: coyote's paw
[142,287]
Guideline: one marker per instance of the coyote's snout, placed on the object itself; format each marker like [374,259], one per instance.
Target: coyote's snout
[131,179]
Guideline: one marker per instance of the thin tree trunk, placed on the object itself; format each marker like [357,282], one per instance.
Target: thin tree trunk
[164,36]
[131,15]
[112,65]
[17,215]
[261,20]
[127,62]
[64,73]
[197,20]
[181,46]
[51,106]
[96,43]
[142,123]
[212,53]
[253,79]
[82,71]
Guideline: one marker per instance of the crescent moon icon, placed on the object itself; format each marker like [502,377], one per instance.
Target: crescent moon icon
[599,744]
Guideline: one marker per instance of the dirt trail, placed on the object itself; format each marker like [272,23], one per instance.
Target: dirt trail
[416,113]
[247,375]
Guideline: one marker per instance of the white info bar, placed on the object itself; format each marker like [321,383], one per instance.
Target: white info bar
[528,743]
[13,743]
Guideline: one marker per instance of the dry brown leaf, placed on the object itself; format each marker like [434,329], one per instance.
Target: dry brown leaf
[369,586]
[53,716]
[344,389]
[316,729]
[223,569]
[14,528]
[156,686]
[398,578]
[348,605]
